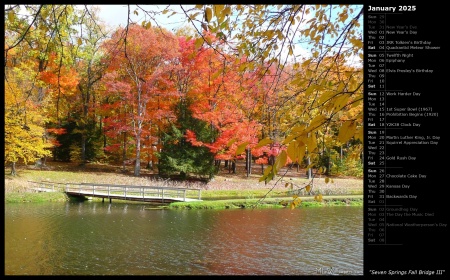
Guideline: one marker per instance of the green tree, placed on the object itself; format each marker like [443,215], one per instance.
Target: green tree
[178,156]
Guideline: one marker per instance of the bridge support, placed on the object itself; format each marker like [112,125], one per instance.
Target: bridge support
[110,200]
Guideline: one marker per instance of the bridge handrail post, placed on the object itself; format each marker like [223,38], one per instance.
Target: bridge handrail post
[199,194]
[184,195]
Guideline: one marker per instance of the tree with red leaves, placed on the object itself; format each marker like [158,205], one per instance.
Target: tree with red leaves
[142,63]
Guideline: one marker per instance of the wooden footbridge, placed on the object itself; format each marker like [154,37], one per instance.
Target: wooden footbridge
[122,192]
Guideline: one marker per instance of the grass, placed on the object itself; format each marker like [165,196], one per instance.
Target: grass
[34,197]
[355,200]
[225,191]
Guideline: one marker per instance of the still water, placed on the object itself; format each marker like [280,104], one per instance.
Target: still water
[95,238]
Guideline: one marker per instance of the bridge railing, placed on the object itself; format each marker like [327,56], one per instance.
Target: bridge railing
[48,186]
[118,190]
[132,191]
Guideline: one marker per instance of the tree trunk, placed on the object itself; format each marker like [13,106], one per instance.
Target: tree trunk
[13,169]
[83,148]
[41,94]
[271,160]
[149,155]
[154,159]
[329,166]
[124,151]
[85,119]
[137,165]
[101,129]
[248,162]
[309,171]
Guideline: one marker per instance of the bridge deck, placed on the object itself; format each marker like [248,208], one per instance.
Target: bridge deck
[122,192]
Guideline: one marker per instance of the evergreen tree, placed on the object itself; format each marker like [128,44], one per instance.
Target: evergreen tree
[178,157]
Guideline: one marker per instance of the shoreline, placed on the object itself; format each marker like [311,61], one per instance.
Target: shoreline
[223,192]
[211,203]
[281,202]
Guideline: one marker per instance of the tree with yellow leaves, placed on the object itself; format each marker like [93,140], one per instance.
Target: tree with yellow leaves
[24,128]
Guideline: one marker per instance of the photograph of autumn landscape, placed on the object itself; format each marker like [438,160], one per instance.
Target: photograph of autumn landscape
[183,139]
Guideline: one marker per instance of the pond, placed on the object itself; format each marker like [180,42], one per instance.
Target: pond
[95,238]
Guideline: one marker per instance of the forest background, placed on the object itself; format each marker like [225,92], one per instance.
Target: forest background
[228,88]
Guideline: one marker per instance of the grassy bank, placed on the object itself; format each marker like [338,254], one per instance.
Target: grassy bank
[212,203]
[225,191]
[349,200]
[30,196]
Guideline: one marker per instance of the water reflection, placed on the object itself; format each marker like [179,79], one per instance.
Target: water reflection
[93,238]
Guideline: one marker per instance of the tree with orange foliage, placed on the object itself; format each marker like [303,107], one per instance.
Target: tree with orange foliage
[143,60]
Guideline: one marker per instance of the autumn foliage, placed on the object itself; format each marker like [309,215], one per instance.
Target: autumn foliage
[145,94]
